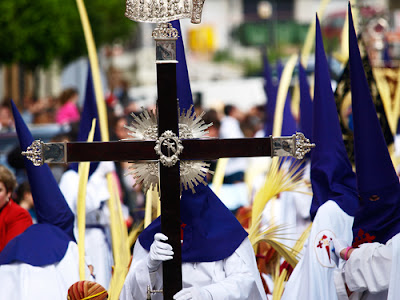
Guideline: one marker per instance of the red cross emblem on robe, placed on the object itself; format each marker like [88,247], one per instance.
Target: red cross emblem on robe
[323,248]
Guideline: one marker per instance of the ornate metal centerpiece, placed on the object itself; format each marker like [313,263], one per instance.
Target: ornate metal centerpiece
[155,11]
[168,148]
[297,145]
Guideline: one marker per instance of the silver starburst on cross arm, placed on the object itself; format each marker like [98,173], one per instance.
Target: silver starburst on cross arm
[144,126]
[145,174]
[191,126]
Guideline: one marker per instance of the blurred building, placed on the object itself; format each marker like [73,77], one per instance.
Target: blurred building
[231,30]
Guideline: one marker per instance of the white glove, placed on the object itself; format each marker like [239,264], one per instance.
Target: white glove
[159,252]
[194,293]
[339,245]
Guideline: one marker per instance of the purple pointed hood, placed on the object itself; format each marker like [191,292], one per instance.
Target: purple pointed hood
[332,177]
[377,182]
[270,89]
[305,103]
[46,242]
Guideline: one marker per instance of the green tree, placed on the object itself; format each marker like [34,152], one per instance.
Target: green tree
[34,33]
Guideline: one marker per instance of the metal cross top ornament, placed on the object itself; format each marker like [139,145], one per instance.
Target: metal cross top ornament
[170,143]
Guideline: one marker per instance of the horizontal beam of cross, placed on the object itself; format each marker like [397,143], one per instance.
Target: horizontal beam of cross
[204,149]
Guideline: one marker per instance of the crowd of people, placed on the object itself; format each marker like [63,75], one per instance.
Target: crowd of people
[68,112]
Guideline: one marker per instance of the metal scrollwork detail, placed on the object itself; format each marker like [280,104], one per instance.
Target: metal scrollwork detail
[34,153]
[296,145]
[173,146]
[165,36]
[303,145]
[165,31]
[197,11]
[150,292]
[155,11]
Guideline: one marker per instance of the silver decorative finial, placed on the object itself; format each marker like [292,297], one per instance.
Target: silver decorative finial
[34,153]
[165,31]
[296,145]
[40,153]
[303,146]
[165,36]
[155,11]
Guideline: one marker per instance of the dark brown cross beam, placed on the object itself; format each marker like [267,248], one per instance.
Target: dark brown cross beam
[200,149]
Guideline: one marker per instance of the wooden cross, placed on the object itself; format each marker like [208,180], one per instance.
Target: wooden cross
[168,144]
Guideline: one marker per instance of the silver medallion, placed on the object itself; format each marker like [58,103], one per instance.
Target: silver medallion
[168,147]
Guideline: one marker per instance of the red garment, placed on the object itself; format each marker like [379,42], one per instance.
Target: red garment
[13,221]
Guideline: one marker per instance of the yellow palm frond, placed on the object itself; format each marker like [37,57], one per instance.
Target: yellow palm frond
[83,172]
[219,174]
[278,285]
[119,234]
[272,235]
[279,179]
[134,233]
[152,201]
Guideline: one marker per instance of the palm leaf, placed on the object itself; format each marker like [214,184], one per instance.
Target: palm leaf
[134,233]
[279,179]
[272,235]
[278,285]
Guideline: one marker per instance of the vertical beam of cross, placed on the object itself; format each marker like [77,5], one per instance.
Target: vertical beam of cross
[169,179]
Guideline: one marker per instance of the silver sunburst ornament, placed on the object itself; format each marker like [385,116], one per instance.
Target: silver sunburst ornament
[144,127]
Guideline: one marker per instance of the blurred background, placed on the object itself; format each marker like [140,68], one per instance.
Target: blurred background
[43,53]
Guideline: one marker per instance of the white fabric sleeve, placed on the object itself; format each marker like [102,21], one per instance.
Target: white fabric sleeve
[394,287]
[368,268]
[139,277]
[242,277]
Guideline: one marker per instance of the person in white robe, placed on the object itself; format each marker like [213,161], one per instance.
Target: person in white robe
[335,200]
[234,192]
[97,234]
[43,261]
[19,280]
[372,263]
[235,277]
[370,272]
[208,272]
